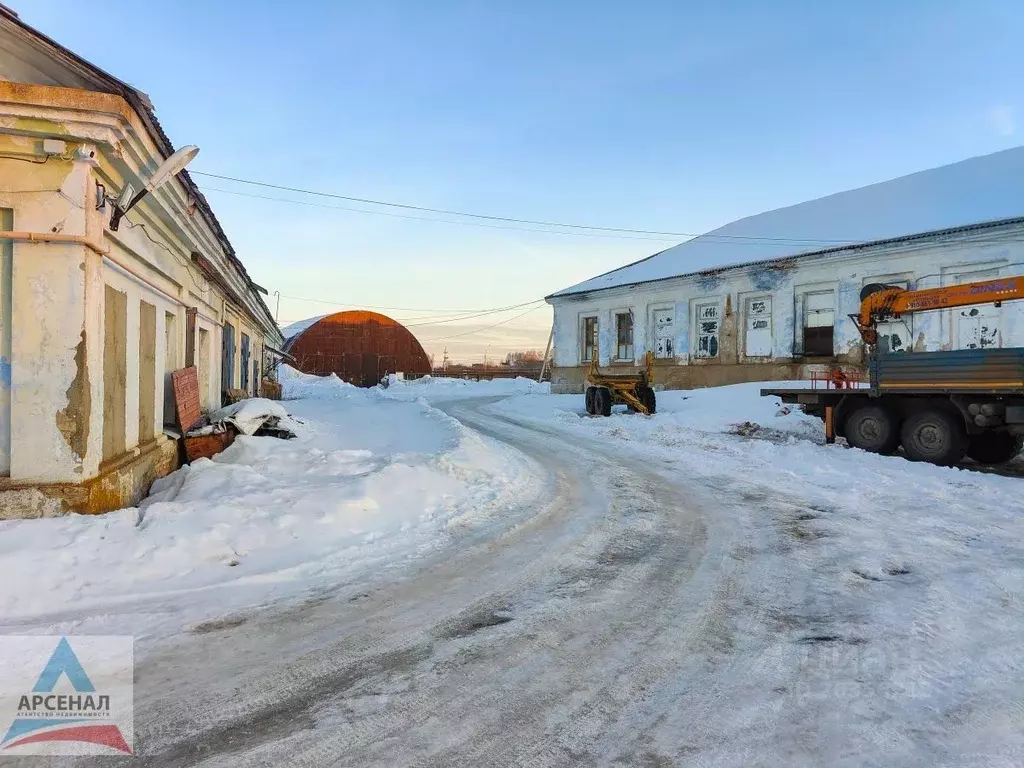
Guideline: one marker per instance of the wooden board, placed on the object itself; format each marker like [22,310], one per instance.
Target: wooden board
[186,397]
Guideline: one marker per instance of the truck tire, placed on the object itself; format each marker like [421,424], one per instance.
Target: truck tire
[603,401]
[872,428]
[648,399]
[588,400]
[935,436]
[994,447]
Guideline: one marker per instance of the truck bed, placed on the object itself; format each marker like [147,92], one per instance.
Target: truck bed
[959,372]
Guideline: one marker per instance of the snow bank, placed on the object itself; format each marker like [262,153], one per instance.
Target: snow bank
[442,388]
[297,385]
[368,483]
[680,413]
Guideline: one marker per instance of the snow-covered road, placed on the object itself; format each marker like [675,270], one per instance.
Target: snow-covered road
[659,595]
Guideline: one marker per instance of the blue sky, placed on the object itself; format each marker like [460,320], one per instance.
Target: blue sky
[665,116]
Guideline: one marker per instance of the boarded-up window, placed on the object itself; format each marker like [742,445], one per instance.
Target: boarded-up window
[819,322]
[147,372]
[895,335]
[190,336]
[759,327]
[624,336]
[588,339]
[244,369]
[663,321]
[170,364]
[115,371]
[978,327]
[204,368]
[708,326]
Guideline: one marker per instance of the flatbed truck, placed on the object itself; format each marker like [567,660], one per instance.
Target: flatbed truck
[939,406]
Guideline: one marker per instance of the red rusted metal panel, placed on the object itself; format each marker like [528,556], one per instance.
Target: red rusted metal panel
[186,397]
[361,347]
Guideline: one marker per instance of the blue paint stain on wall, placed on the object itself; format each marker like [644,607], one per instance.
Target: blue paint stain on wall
[768,278]
[709,283]
[5,373]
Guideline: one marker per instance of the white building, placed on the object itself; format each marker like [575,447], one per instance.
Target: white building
[768,297]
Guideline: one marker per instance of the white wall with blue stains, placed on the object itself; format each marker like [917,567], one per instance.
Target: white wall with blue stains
[764,311]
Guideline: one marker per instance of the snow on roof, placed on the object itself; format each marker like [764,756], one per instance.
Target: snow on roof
[980,189]
[299,326]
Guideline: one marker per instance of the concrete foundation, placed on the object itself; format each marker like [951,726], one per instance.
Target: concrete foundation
[122,482]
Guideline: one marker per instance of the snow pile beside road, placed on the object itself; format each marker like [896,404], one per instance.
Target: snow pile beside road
[367,484]
[736,409]
[443,388]
[296,385]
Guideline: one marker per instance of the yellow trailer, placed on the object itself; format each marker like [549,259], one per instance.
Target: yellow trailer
[634,388]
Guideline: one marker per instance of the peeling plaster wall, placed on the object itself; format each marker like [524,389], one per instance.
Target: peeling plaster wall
[57,308]
[925,264]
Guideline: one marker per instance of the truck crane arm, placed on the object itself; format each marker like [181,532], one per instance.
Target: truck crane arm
[882,302]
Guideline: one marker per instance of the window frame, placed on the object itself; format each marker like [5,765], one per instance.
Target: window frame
[652,332]
[582,332]
[805,295]
[698,305]
[631,345]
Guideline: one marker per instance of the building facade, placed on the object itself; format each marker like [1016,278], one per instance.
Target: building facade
[785,317]
[92,321]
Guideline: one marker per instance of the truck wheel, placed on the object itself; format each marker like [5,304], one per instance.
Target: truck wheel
[648,399]
[994,447]
[872,428]
[603,401]
[588,400]
[934,436]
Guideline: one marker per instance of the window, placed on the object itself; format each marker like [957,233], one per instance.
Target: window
[624,336]
[708,322]
[819,323]
[663,322]
[588,339]
[147,372]
[758,341]
[895,335]
[244,369]
[978,327]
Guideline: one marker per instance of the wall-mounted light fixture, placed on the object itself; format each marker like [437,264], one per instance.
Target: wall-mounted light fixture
[170,167]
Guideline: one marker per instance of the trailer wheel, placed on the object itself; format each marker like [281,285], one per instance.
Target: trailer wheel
[589,398]
[603,401]
[935,436]
[872,428]
[646,396]
[994,447]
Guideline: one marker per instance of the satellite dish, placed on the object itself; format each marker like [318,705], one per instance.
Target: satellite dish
[169,168]
[172,166]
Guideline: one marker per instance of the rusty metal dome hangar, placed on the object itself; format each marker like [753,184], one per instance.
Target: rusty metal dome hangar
[361,347]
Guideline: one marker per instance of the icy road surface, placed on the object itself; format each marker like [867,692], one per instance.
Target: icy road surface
[664,594]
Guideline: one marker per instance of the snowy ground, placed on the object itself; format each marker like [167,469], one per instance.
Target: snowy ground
[448,573]
[368,484]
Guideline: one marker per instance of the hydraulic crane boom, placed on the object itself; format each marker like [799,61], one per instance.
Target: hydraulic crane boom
[882,302]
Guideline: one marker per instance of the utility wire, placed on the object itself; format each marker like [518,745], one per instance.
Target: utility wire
[403,309]
[481,330]
[507,219]
[436,221]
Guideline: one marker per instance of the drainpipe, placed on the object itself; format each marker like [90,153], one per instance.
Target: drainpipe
[49,237]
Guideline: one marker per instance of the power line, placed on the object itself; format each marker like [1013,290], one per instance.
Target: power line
[481,330]
[402,309]
[507,219]
[436,221]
